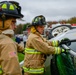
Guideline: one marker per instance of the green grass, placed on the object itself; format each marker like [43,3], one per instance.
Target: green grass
[20,56]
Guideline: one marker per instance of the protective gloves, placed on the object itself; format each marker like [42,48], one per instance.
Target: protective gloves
[55,43]
[65,41]
[59,50]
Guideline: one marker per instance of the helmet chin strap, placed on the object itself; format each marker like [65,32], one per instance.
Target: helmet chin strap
[3,19]
[37,30]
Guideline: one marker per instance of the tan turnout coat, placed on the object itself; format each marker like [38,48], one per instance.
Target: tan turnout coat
[8,56]
[35,41]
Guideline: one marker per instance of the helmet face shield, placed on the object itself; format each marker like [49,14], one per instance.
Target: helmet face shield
[39,20]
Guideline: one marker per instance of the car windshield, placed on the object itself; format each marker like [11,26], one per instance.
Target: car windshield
[73,46]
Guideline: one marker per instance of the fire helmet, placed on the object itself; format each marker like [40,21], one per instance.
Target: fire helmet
[39,20]
[8,11]
[11,9]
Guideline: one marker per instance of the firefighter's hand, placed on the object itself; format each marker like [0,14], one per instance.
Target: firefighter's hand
[55,43]
[65,41]
[59,50]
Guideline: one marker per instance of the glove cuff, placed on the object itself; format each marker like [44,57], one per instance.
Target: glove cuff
[57,50]
[55,43]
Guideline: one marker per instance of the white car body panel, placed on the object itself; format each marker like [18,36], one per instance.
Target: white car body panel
[71,34]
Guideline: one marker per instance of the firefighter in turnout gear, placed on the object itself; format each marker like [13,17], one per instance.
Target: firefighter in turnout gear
[9,64]
[37,47]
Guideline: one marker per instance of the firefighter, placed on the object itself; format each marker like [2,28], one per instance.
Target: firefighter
[37,47]
[9,12]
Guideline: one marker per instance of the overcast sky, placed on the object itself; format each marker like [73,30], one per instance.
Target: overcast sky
[53,10]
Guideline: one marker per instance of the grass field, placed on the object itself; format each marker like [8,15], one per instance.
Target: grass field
[20,56]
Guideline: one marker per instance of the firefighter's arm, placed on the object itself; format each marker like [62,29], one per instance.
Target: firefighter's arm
[48,42]
[9,56]
[42,46]
[54,43]
[20,48]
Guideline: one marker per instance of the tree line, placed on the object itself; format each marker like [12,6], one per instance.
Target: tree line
[22,27]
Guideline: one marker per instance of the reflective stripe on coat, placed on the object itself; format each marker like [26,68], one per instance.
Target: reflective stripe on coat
[40,48]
